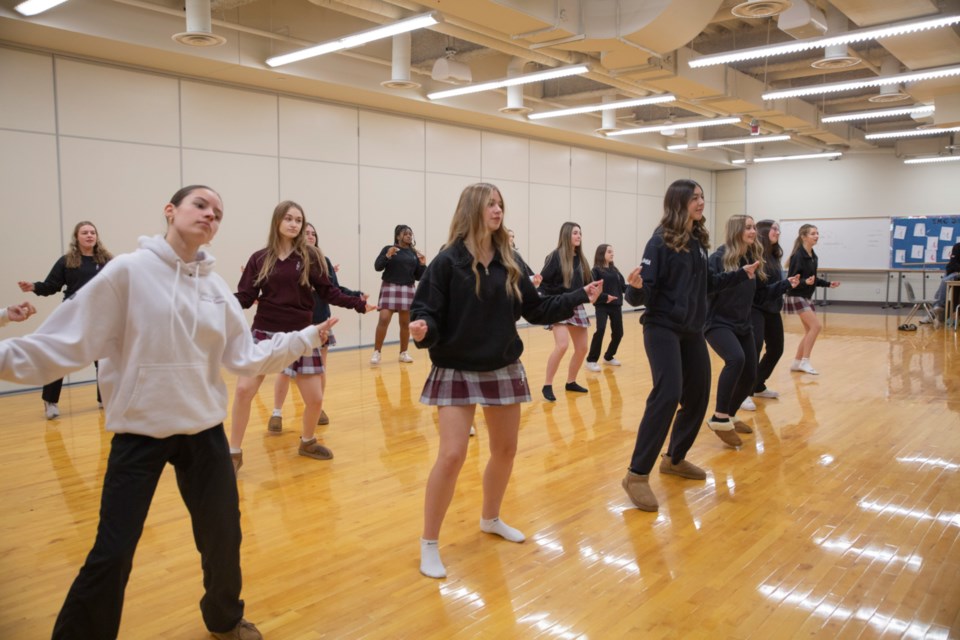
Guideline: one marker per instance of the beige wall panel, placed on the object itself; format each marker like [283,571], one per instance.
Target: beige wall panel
[28,181]
[649,212]
[622,174]
[622,230]
[248,186]
[26,91]
[123,193]
[516,200]
[505,157]
[589,169]
[316,131]
[442,194]
[651,178]
[453,150]
[388,197]
[549,209]
[327,192]
[549,163]
[223,119]
[588,208]
[673,173]
[103,102]
[391,141]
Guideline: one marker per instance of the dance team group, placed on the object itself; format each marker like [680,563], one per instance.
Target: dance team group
[162,325]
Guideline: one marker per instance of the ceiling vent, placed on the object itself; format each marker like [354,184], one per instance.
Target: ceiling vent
[199,32]
[890,93]
[448,70]
[760,8]
[835,56]
[400,65]
[802,21]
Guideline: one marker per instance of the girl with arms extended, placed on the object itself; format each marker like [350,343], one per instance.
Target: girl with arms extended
[465,312]
[281,278]
[675,282]
[804,262]
[402,266]
[563,271]
[164,323]
[83,261]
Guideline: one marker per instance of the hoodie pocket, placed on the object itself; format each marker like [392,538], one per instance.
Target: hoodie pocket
[162,387]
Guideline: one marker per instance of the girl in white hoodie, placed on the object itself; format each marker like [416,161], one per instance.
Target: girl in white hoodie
[162,324]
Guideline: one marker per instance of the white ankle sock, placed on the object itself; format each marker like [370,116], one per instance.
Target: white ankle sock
[430,564]
[502,529]
[235,450]
[277,413]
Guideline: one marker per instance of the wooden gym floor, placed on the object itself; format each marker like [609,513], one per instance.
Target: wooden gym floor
[839,518]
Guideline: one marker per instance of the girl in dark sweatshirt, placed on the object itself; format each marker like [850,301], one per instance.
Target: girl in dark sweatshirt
[402,266]
[765,315]
[465,312]
[729,329]
[675,281]
[608,305]
[804,261]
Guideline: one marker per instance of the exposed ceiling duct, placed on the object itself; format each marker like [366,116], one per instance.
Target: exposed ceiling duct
[199,31]
[400,64]
[835,56]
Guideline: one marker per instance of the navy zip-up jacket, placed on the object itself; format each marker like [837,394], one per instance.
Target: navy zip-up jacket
[613,285]
[730,308]
[806,265]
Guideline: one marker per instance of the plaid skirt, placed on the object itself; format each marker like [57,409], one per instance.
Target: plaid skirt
[578,319]
[331,340]
[396,297]
[449,387]
[307,365]
[796,304]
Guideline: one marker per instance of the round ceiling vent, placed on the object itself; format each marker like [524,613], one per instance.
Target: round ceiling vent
[520,109]
[890,93]
[835,62]
[760,8]
[199,39]
[400,84]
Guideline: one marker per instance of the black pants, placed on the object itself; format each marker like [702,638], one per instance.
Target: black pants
[615,314]
[208,485]
[739,371]
[51,392]
[680,366]
[767,328]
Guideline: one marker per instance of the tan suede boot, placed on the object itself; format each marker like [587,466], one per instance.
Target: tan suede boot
[638,490]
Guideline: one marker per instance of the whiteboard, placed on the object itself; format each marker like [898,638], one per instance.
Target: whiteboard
[845,243]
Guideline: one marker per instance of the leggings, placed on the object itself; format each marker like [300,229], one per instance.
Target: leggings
[680,366]
[615,314]
[739,367]
[767,328]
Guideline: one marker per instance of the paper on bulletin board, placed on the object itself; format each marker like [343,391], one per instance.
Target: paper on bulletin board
[931,253]
[946,253]
[899,232]
[916,252]
[919,230]
[901,255]
[946,234]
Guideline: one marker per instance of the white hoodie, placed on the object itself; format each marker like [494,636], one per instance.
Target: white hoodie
[161,329]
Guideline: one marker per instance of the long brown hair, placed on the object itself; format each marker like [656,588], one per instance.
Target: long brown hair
[674,220]
[566,252]
[772,251]
[74,258]
[468,225]
[798,243]
[307,252]
[736,249]
[600,259]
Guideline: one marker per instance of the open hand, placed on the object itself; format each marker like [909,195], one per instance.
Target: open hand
[324,328]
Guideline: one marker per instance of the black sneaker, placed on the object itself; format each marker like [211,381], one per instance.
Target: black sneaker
[548,393]
[573,386]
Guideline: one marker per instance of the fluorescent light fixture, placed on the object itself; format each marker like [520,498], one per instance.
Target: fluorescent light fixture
[878,113]
[33,7]
[802,156]
[696,124]
[357,39]
[620,104]
[549,74]
[929,160]
[858,35]
[914,76]
[910,133]
[721,143]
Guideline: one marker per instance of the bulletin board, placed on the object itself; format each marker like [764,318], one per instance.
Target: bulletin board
[923,242]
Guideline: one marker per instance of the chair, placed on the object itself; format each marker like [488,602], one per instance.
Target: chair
[918,305]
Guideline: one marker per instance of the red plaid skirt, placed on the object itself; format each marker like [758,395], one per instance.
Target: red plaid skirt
[449,387]
[796,304]
[396,297]
[310,364]
[578,319]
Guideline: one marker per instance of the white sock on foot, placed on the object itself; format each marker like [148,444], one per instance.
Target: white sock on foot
[235,449]
[430,564]
[502,529]
[277,413]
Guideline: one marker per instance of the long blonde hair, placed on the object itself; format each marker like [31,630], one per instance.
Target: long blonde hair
[566,252]
[307,252]
[468,225]
[674,220]
[74,257]
[736,249]
[805,230]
